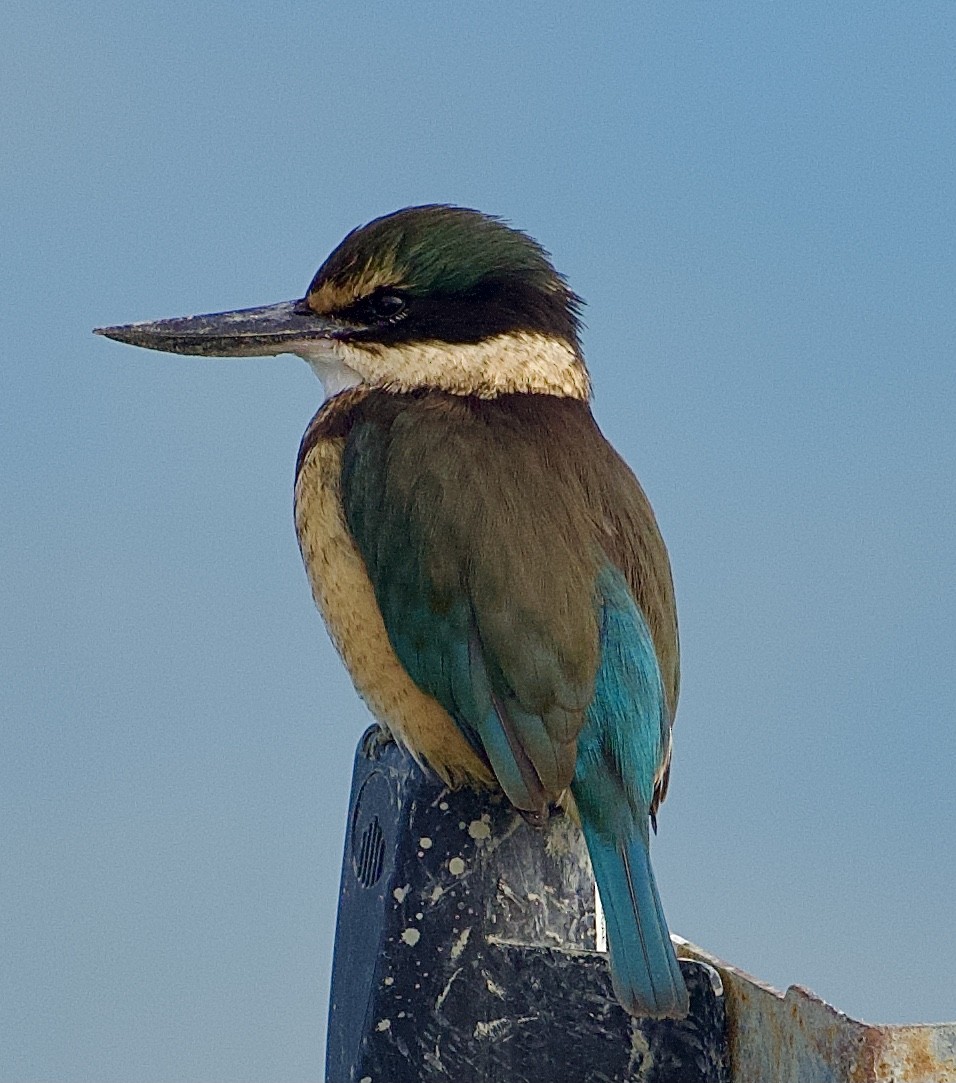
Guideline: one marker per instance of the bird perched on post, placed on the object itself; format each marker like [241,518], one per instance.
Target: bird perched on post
[487,565]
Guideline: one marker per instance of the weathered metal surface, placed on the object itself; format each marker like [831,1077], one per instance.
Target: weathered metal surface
[465,951]
[795,1037]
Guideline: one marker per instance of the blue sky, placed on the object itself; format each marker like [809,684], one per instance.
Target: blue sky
[755,199]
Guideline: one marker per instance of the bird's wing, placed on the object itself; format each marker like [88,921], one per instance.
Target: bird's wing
[635,549]
[483,539]
[484,587]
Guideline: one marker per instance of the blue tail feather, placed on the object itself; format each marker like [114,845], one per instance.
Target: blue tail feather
[644,968]
[620,750]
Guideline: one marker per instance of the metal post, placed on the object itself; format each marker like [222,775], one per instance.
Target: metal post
[465,950]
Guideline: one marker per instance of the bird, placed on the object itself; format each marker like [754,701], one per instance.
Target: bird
[488,567]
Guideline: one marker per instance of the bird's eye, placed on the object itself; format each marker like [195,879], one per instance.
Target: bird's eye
[381,307]
[386,305]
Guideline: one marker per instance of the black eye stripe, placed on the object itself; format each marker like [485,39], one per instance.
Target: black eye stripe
[493,307]
[379,306]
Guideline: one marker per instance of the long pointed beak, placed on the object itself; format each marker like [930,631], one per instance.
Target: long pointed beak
[246,332]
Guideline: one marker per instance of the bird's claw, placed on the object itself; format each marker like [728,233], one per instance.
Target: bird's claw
[374,742]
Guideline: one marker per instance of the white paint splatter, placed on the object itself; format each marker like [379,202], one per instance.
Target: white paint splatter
[425,843]
[411,937]
[383,1024]
[437,893]
[479,829]
[641,1055]
[456,866]
[459,945]
[389,981]
[506,891]
[493,1028]
[444,993]
[401,892]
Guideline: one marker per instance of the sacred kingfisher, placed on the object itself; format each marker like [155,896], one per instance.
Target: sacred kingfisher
[488,567]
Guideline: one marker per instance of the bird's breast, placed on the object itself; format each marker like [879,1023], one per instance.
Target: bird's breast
[346,599]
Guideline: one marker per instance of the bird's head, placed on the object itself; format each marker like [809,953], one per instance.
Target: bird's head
[428,297]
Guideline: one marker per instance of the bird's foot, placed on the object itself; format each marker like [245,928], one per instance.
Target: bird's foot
[374,742]
[539,817]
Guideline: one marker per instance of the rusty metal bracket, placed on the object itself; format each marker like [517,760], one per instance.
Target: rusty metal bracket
[795,1037]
